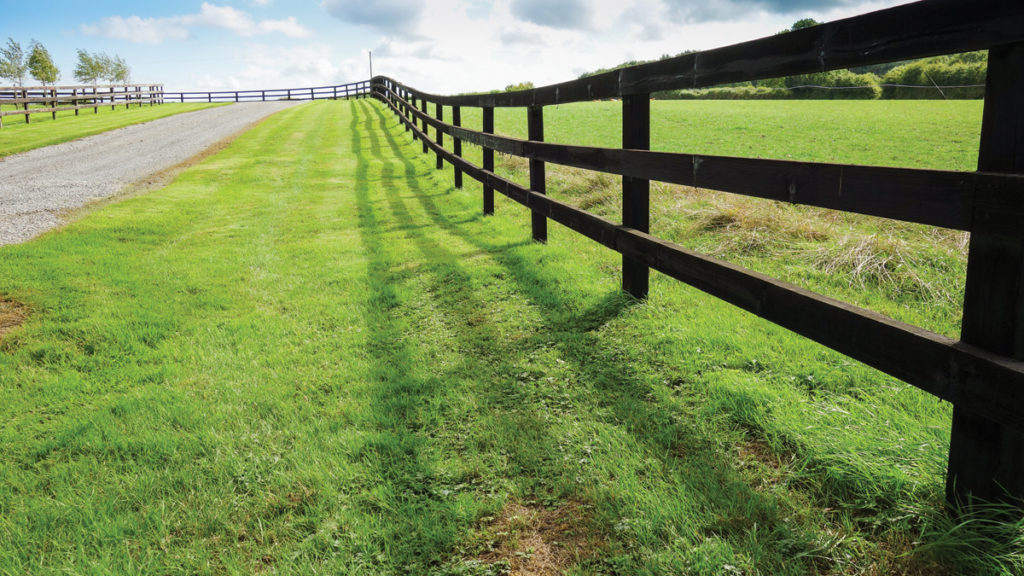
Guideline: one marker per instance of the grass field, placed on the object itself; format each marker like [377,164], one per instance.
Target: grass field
[17,136]
[331,363]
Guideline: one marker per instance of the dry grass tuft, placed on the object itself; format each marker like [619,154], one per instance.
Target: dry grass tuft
[877,262]
[12,315]
[535,541]
[756,227]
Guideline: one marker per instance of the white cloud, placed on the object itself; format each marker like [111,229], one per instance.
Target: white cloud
[158,30]
[388,15]
[269,66]
[139,30]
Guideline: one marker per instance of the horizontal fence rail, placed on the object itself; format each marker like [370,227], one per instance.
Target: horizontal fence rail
[53,99]
[341,91]
[982,374]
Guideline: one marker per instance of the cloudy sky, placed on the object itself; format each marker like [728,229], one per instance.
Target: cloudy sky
[440,46]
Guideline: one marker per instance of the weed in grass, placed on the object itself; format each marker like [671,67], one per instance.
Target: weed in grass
[536,541]
[12,315]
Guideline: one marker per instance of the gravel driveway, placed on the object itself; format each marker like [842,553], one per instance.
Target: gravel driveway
[36,187]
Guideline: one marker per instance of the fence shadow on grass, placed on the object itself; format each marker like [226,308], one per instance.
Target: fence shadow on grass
[410,519]
[684,449]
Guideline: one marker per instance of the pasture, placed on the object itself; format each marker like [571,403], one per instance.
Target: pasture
[311,354]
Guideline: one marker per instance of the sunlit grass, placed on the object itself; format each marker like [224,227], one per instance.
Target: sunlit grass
[310,354]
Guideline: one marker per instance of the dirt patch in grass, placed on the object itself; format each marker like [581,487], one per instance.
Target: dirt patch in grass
[536,541]
[12,315]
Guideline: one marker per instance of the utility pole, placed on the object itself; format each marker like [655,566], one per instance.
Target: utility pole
[370,52]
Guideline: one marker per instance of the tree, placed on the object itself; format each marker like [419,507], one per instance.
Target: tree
[106,67]
[89,69]
[121,71]
[12,62]
[41,65]
[519,86]
[803,23]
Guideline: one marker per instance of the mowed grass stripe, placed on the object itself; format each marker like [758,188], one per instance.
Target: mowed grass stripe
[310,354]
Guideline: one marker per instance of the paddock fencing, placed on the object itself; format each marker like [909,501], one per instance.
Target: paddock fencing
[981,374]
[342,91]
[53,99]
[28,101]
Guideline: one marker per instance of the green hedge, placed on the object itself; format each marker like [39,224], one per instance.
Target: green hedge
[957,70]
[914,80]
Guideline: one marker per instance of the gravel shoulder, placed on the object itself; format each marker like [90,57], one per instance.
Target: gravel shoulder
[39,186]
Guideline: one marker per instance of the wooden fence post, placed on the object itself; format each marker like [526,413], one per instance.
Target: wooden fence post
[439,108]
[535,130]
[74,96]
[53,93]
[426,128]
[405,111]
[412,117]
[457,143]
[95,102]
[24,95]
[986,460]
[488,128]
[636,214]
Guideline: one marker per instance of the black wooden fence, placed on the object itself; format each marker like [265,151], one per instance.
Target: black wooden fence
[346,91]
[981,374]
[27,101]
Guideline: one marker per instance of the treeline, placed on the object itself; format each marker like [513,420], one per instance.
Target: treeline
[954,77]
[15,65]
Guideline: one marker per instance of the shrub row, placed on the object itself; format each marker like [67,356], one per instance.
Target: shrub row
[955,77]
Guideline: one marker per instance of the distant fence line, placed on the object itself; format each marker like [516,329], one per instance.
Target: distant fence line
[52,99]
[982,374]
[28,101]
[342,91]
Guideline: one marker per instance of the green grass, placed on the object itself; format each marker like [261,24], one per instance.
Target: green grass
[941,135]
[310,354]
[17,136]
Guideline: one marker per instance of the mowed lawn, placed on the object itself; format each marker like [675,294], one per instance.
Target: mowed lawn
[311,355]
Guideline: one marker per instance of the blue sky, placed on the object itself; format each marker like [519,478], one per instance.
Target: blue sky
[441,46]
